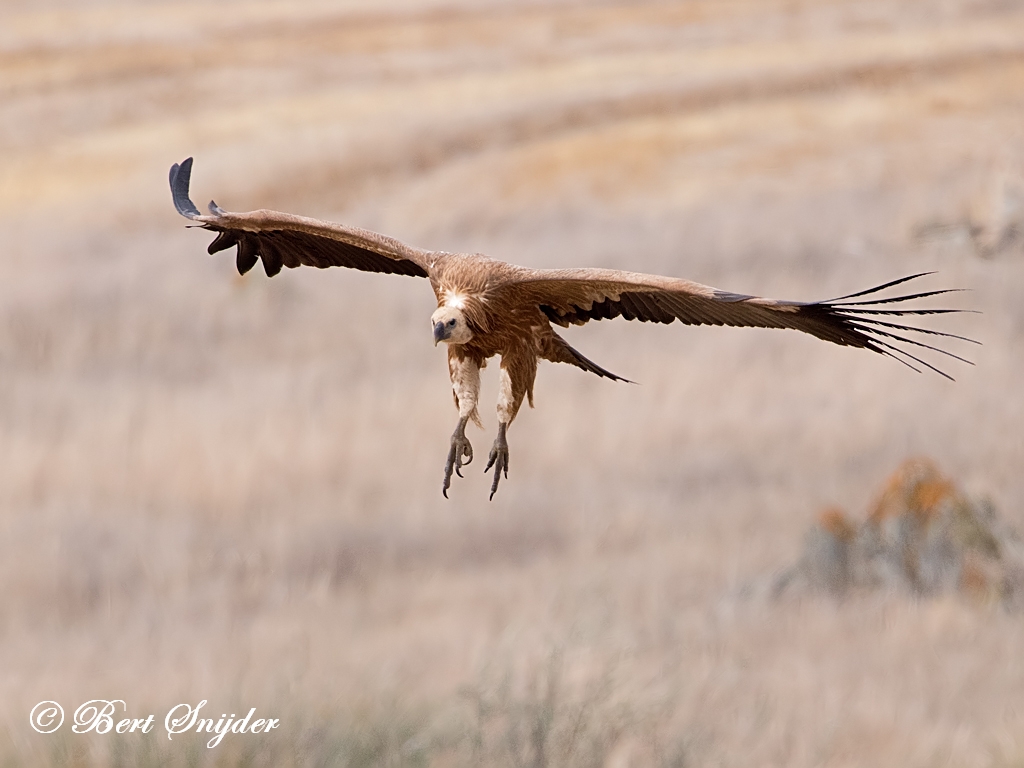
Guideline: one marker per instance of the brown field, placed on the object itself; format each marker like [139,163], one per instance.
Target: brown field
[226,488]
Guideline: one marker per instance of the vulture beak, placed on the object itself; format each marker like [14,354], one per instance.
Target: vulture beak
[439,334]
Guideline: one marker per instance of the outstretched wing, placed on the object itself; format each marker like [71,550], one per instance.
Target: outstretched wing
[575,296]
[284,240]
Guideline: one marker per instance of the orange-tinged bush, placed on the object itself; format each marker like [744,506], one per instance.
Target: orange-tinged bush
[923,535]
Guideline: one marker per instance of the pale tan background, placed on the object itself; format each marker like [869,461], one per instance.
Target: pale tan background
[225,488]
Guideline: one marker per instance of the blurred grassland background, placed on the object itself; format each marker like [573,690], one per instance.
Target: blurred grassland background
[226,488]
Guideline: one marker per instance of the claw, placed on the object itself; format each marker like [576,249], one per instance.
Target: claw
[467,454]
[498,459]
[459,449]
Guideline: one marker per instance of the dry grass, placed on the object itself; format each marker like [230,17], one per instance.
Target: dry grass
[225,488]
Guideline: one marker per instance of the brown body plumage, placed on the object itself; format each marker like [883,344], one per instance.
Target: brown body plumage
[488,307]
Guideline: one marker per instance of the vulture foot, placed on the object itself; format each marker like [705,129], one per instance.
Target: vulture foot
[498,459]
[460,449]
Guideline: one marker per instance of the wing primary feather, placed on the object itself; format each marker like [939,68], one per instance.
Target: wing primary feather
[246,257]
[272,261]
[898,359]
[224,240]
[875,332]
[908,297]
[913,357]
[899,327]
[839,308]
[878,288]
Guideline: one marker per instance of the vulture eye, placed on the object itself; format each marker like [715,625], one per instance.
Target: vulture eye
[451,322]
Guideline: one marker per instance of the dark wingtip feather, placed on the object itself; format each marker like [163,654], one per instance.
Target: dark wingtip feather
[900,327]
[246,257]
[860,319]
[878,288]
[876,332]
[180,177]
[272,261]
[222,242]
[915,358]
[895,299]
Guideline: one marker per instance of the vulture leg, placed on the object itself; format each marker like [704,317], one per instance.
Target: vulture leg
[518,370]
[465,376]
[498,458]
[460,448]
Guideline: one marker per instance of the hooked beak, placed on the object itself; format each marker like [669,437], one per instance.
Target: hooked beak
[439,333]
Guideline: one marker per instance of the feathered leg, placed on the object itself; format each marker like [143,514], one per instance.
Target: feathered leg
[465,375]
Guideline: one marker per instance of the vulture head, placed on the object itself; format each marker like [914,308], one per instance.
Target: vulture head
[450,326]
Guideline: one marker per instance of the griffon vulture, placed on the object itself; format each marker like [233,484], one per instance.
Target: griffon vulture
[487,307]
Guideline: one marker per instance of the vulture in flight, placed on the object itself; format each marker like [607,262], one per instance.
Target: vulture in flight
[487,307]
